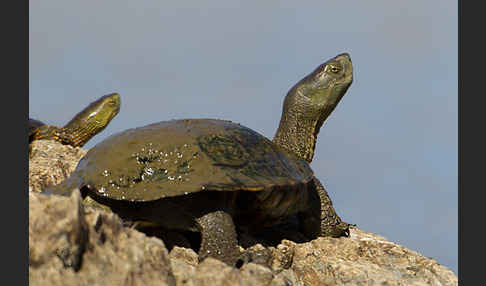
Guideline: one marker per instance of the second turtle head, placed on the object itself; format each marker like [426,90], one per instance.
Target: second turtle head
[98,114]
[106,107]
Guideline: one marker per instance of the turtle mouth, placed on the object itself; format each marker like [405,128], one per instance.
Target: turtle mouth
[116,111]
[115,104]
[116,101]
[347,65]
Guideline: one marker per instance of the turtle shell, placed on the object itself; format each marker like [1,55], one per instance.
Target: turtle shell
[177,157]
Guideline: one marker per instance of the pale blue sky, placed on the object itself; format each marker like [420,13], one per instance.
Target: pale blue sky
[388,153]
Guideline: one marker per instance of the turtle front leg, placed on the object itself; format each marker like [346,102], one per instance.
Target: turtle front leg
[218,237]
[320,219]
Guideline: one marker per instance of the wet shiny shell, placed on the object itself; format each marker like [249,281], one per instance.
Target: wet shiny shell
[178,157]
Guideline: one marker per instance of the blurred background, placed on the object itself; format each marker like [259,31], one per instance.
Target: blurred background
[388,153]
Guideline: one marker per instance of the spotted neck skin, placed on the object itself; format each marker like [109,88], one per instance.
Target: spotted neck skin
[309,103]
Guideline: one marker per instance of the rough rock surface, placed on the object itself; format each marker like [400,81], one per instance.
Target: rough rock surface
[50,163]
[70,244]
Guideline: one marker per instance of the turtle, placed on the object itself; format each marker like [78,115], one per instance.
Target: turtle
[213,176]
[86,124]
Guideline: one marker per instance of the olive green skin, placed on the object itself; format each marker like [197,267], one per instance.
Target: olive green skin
[208,175]
[310,102]
[86,124]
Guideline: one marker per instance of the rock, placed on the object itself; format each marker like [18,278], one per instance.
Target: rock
[212,272]
[51,163]
[58,231]
[182,272]
[68,246]
[365,259]
[71,244]
[256,274]
[283,255]
[184,262]
[257,254]
[186,255]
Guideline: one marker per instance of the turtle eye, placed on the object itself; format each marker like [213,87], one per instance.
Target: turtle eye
[333,68]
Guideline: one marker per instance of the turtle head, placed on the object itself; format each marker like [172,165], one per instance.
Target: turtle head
[317,94]
[92,120]
[309,102]
[104,109]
